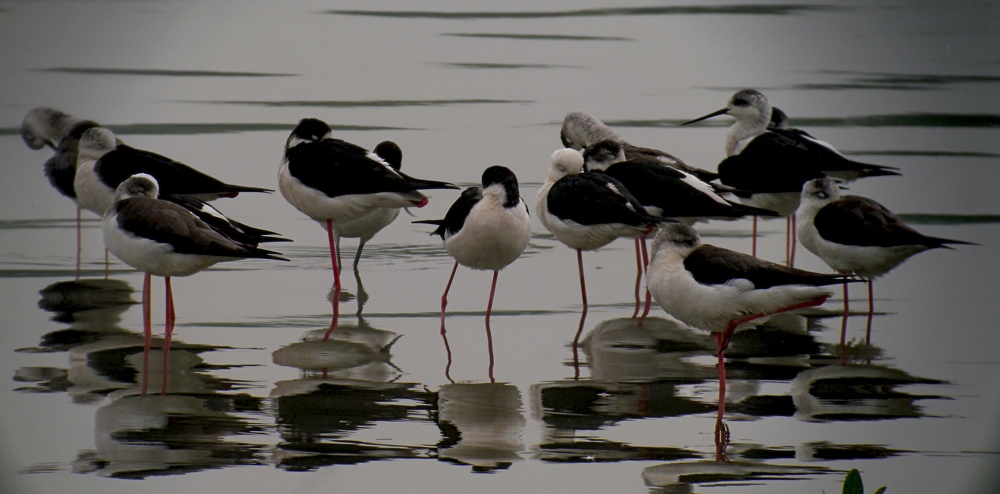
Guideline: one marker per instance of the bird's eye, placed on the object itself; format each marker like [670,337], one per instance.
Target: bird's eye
[822,195]
[561,168]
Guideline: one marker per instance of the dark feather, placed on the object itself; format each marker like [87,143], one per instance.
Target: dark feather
[594,199]
[854,220]
[454,219]
[711,265]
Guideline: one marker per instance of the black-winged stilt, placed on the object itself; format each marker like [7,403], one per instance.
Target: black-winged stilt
[161,238]
[586,211]
[856,235]
[347,189]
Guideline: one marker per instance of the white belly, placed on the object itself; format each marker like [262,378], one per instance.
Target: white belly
[152,257]
[91,193]
[491,238]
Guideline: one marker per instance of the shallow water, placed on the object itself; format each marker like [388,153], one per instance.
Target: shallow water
[220,85]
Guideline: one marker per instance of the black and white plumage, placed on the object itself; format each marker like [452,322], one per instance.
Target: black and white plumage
[161,238]
[45,126]
[581,129]
[856,235]
[664,191]
[350,191]
[104,163]
[586,211]
[486,228]
[721,291]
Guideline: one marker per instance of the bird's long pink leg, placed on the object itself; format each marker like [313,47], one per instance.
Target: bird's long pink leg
[167,333]
[583,283]
[79,241]
[649,296]
[871,312]
[489,333]
[638,277]
[795,238]
[753,250]
[336,281]
[444,298]
[147,330]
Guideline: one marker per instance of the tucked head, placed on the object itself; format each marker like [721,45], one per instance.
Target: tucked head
[565,162]
[44,126]
[308,130]
[602,154]
[779,119]
[96,142]
[820,190]
[138,185]
[390,153]
[676,236]
[580,129]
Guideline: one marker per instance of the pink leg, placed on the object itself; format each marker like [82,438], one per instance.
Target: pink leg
[795,238]
[753,250]
[444,298]
[871,312]
[489,333]
[79,241]
[147,330]
[583,284]
[167,333]
[649,296]
[447,349]
[638,277]
[576,345]
[336,281]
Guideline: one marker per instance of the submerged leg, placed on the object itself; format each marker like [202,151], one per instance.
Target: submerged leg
[335,260]
[167,333]
[753,250]
[444,296]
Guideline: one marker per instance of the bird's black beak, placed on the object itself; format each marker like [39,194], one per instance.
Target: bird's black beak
[723,111]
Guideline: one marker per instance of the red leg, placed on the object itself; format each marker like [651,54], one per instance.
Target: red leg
[638,277]
[583,284]
[649,297]
[79,241]
[147,330]
[871,312]
[489,346]
[444,297]
[447,349]
[721,431]
[167,333]
[336,280]
[753,250]
[795,238]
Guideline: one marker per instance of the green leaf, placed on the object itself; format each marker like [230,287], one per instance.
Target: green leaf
[852,483]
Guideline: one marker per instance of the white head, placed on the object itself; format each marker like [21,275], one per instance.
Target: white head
[565,161]
[602,154]
[44,126]
[581,129]
[138,185]
[677,237]
[96,142]
[820,191]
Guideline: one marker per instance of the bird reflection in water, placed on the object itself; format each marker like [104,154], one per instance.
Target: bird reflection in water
[140,436]
[482,425]
[348,384]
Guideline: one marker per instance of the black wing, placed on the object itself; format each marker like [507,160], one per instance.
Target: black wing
[594,199]
[338,168]
[854,220]
[459,210]
[711,265]
[770,163]
[166,222]
[172,176]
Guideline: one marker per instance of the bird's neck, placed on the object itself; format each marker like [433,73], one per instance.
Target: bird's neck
[741,131]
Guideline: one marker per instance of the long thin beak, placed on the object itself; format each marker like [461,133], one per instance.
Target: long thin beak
[723,111]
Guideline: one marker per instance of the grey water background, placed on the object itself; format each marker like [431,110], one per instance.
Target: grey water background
[219,85]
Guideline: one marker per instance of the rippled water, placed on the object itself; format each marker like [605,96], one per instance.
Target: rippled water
[219,85]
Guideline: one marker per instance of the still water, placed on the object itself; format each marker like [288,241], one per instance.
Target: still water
[219,85]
